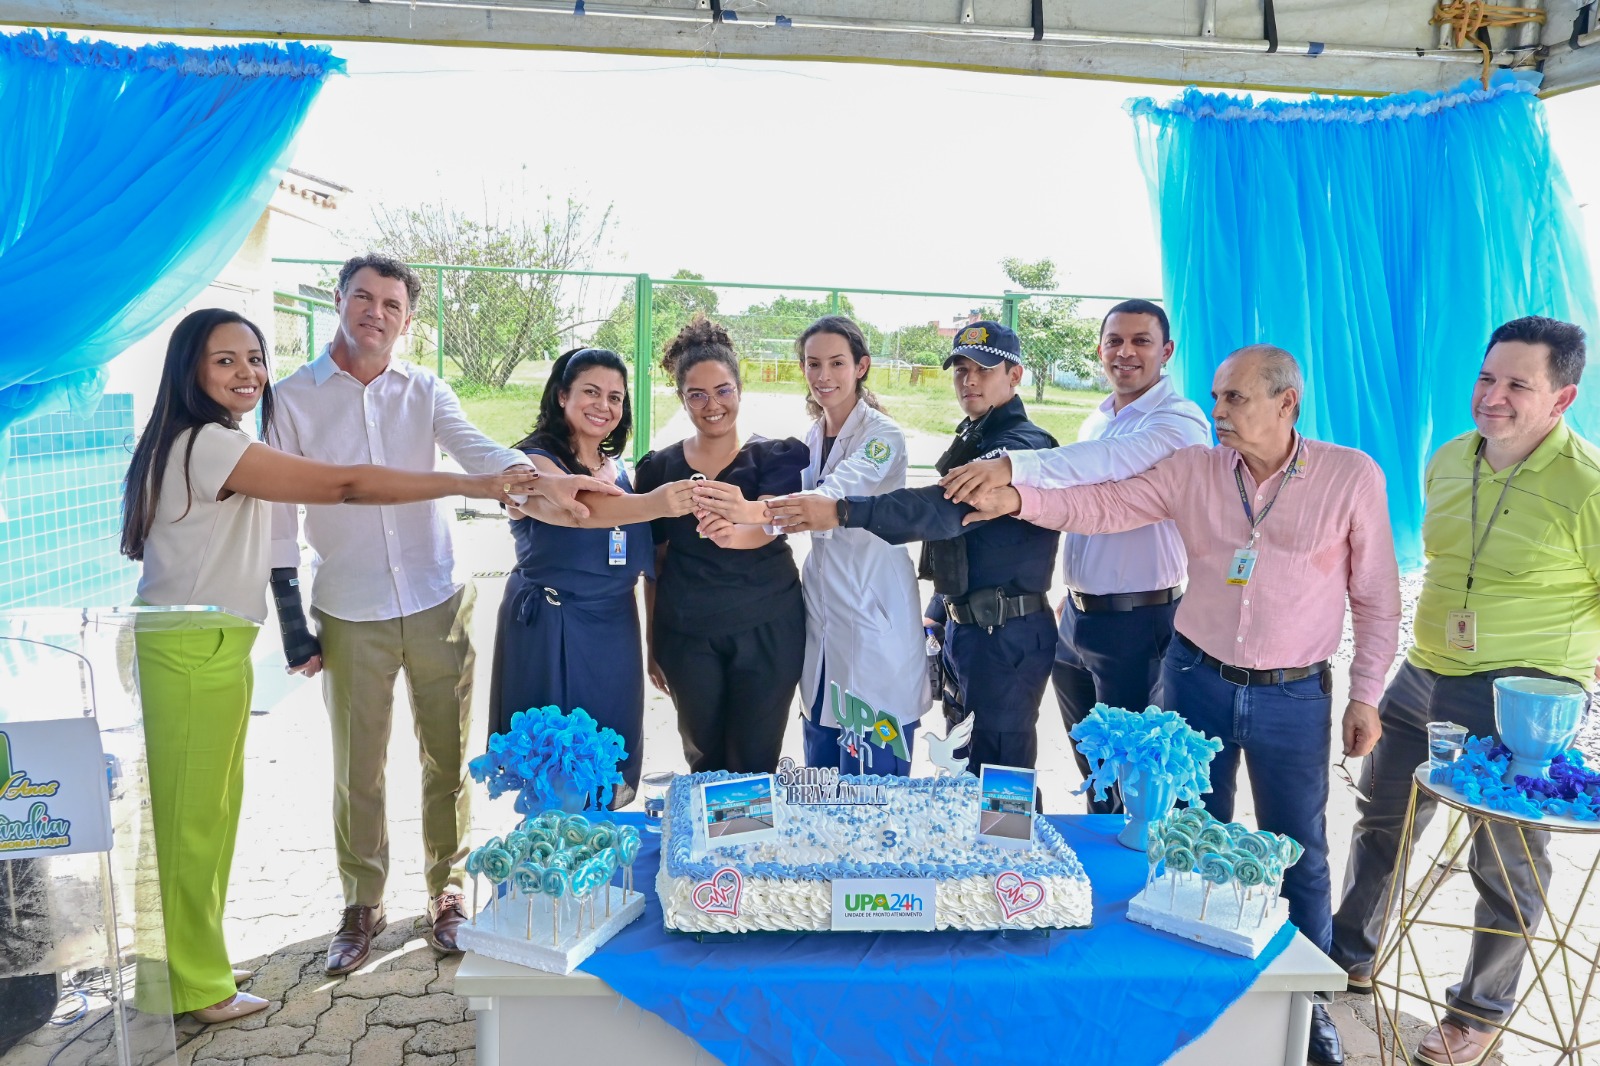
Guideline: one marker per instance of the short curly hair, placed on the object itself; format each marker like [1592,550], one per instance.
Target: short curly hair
[387,267]
[697,342]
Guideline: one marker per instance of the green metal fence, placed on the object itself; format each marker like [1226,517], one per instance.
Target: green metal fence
[488,327]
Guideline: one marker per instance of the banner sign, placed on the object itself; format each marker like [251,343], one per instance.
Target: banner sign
[54,799]
[884,904]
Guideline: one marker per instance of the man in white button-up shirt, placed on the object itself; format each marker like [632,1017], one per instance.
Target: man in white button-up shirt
[384,596]
[1122,588]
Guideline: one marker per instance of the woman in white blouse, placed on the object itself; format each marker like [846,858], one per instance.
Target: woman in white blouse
[195,513]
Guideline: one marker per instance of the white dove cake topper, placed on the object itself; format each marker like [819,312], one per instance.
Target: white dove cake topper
[942,751]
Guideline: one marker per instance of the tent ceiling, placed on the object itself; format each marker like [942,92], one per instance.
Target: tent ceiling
[1363,46]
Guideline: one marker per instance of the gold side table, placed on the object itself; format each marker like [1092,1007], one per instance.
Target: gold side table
[1561,968]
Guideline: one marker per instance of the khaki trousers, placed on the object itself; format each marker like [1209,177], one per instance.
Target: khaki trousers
[360,663]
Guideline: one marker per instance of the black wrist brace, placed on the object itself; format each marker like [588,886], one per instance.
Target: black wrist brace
[298,643]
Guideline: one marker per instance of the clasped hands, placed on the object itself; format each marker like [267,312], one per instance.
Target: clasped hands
[984,485]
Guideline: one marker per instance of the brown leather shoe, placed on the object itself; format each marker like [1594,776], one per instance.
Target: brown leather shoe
[447,912]
[352,944]
[1454,1044]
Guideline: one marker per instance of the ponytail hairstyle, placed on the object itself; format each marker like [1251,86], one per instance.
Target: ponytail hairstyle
[550,431]
[181,405]
[697,342]
[839,326]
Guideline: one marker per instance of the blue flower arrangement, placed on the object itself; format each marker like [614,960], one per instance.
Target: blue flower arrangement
[550,757]
[1573,790]
[1158,744]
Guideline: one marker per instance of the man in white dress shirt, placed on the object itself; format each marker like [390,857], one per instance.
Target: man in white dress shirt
[384,597]
[1122,588]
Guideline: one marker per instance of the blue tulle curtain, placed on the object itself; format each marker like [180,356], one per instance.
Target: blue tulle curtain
[128,178]
[1380,241]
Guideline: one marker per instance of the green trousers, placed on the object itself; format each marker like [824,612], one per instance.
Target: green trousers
[195,687]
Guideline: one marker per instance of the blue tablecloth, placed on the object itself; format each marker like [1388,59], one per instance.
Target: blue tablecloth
[1116,993]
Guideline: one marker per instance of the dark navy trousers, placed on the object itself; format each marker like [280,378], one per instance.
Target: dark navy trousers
[1110,657]
[1000,676]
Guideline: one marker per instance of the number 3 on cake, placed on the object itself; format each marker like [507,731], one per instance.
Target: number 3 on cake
[887,838]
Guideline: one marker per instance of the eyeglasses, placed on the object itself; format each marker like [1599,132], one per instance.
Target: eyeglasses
[697,398]
[1350,782]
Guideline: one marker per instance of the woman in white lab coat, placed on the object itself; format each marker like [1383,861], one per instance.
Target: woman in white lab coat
[864,637]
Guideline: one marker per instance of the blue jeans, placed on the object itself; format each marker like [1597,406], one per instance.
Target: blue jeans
[1284,733]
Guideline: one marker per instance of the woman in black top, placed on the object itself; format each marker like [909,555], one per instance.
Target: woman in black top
[727,625]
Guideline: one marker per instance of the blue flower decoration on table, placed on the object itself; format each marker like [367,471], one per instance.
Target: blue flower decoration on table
[1573,790]
[1158,744]
[552,759]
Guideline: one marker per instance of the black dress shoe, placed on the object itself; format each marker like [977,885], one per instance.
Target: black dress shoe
[1325,1049]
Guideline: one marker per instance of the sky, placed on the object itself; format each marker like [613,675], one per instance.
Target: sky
[1007,784]
[845,174]
[802,173]
[739,793]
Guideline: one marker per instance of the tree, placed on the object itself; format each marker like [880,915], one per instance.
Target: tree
[494,320]
[768,330]
[671,306]
[922,345]
[1050,329]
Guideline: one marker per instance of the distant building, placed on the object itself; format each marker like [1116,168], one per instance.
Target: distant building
[61,491]
[958,323]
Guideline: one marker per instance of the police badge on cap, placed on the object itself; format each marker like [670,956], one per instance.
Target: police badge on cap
[987,344]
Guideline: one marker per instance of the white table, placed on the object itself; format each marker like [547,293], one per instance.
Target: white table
[519,1009]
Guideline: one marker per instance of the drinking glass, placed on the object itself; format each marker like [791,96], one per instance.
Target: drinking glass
[655,799]
[1446,742]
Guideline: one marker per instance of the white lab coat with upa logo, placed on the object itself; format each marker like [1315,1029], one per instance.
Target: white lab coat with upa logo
[863,618]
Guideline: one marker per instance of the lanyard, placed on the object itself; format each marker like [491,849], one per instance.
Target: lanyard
[1477,545]
[1244,497]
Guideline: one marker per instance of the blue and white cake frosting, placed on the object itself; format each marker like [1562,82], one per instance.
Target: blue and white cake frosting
[925,829]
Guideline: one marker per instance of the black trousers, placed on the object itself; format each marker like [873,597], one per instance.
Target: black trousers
[734,692]
[1109,657]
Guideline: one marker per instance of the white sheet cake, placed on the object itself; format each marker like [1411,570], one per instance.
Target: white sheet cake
[924,828]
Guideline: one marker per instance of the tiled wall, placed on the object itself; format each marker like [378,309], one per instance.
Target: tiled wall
[62,495]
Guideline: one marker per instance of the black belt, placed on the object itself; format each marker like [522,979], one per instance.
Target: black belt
[1122,601]
[992,607]
[1238,675]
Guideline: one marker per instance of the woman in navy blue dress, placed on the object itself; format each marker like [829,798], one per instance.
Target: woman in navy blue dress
[568,631]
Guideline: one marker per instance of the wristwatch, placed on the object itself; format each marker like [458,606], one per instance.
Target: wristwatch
[841,509]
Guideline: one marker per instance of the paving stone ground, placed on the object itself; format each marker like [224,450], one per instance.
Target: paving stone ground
[398,1009]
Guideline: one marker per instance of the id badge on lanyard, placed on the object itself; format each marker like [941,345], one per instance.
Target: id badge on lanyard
[1244,559]
[617,547]
[1243,565]
[1461,627]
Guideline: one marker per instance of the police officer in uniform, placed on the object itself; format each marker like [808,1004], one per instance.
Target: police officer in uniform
[1000,635]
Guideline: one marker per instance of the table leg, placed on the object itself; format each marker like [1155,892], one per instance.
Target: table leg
[1299,1036]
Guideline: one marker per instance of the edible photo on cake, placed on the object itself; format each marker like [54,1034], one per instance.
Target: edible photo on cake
[1005,805]
[739,811]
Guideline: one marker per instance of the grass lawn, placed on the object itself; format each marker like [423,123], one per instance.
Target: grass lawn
[507,414]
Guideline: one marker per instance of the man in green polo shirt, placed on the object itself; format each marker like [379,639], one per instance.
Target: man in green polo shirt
[1512,587]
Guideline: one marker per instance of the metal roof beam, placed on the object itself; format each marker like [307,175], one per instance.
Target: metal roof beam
[1136,40]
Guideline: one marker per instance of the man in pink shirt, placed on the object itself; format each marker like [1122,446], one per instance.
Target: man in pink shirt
[1279,531]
